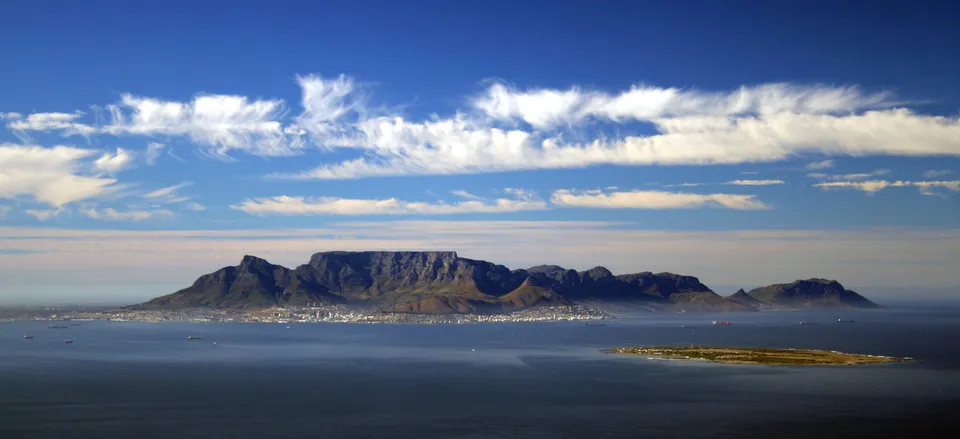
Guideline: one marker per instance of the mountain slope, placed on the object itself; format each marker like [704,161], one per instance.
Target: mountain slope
[745,299]
[254,283]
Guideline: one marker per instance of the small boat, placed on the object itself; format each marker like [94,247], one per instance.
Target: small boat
[722,323]
[57,327]
[594,324]
[68,341]
[844,321]
[193,337]
[27,337]
[808,323]
[686,326]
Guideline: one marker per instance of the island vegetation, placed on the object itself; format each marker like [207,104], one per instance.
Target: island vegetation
[767,356]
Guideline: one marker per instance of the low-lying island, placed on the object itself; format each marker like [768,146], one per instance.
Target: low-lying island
[768,356]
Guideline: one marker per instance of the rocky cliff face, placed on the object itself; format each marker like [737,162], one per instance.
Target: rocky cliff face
[442,282]
[810,293]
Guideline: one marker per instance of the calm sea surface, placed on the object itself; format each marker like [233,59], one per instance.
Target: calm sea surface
[549,380]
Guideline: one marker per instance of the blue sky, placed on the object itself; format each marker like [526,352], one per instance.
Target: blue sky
[743,142]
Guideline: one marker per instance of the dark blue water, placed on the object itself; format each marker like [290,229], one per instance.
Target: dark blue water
[146,380]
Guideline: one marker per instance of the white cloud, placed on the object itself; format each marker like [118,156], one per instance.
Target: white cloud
[748,173]
[11,116]
[3,211]
[43,214]
[873,186]
[539,108]
[522,194]
[325,102]
[285,205]
[465,194]
[66,123]
[153,152]
[685,185]
[394,146]
[543,108]
[855,176]
[114,163]
[129,215]
[220,122]
[934,173]
[926,187]
[824,164]
[653,200]
[508,129]
[196,207]
[54,176]
[754,182]
[169,194]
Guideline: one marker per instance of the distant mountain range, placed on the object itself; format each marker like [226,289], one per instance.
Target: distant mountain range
[443,283]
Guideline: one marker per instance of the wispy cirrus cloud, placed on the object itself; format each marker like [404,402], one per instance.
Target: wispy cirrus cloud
[127,215]
[823,164]
[196,207]
[934,173]
[169,194]
[542,108]
[221,122]
[465,194]
[153,152]
[754,182]
[854,176]
[873,186]
[508,129]
[55,176]
[394,146]
[114,163]
[66,123]
[43,214]
[287,205]
[653,200]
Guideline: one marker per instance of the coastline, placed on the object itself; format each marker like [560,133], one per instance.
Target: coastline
[757,356]
[334,314]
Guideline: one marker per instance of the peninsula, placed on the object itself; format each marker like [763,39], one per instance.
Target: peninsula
[766,356]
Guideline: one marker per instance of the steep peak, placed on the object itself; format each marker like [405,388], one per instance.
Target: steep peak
[599,271]
[742,297]
[249,261]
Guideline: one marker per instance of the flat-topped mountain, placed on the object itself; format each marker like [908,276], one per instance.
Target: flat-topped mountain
[811,293]
[440,283]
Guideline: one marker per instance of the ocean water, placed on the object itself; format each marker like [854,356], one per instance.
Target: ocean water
[531,380]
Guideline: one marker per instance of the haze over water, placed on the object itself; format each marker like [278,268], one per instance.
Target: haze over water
[493,380]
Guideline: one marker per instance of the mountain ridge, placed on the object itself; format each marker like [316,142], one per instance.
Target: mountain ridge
[442,282]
